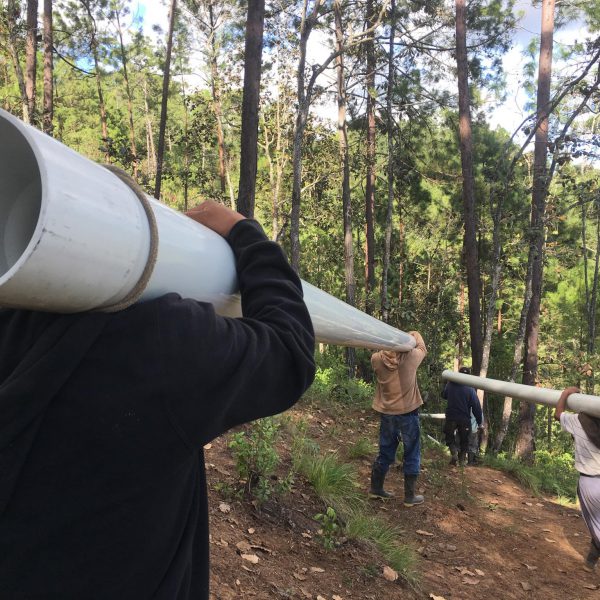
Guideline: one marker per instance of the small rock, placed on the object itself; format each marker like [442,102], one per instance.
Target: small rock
[251,558]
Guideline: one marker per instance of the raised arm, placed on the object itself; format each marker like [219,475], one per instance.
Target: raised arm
[562,401]
[223,371]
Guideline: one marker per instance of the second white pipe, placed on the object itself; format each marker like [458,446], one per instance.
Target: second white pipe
[577,402]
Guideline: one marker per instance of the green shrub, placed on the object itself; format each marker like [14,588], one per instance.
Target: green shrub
[256,458]
[332,384]
[329,528]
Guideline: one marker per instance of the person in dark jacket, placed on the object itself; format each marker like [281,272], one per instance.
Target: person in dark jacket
[103,418]
[462,401]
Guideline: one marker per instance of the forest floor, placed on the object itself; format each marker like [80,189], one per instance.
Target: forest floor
[480,534]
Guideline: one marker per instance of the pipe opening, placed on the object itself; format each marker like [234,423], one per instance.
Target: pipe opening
[20,195]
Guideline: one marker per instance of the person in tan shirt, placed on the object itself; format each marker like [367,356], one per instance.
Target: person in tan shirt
[397,399]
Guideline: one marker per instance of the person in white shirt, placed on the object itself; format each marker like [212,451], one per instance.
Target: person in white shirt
[585,430]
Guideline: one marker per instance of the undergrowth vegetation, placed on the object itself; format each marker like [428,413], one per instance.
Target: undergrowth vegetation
[552,473]
[346,513]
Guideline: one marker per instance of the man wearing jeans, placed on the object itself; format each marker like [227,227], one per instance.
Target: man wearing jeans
[398,399]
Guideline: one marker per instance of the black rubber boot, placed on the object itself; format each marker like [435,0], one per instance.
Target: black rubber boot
[453,455]
[462,459]
[377,479]
[472,460]
[410,498]
[591,560]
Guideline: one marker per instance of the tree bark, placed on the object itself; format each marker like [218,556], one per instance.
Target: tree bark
[13,48]
[31,58]
[97,76]
[345,163]
[468,192]
[250,104]
[385,303]
[165,100]
[371,163]
[133,148]
[48,113]
[304,99]
[517,358]
[150,149]
[215,87]
[525,444]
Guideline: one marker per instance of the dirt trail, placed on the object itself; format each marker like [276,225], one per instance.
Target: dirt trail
[480,534]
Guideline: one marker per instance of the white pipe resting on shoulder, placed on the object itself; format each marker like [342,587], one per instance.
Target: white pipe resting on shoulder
[576,402]
[74,237]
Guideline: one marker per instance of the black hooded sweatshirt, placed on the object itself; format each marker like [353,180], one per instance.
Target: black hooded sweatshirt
[102,423]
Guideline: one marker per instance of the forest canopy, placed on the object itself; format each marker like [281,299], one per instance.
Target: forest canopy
[409,205]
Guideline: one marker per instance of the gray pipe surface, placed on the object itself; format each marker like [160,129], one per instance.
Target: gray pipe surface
[576,402]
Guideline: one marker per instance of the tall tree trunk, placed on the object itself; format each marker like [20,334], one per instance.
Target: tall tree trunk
[468,192]
[371,162]
[490,313]
[31,58]
[400,256]
[385,304]
[48,113]
[132,145]
[150,149]
[13,49]
[526,434]
[215,86]
[345,163]
[93,30]
[591,296]
[277,164]
[460,337]
[250,103]
[165,100]
[517,358]
[304,99]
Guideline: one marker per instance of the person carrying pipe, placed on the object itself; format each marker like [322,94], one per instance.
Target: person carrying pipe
[585,430]
[103,420]
[462,403]
[397,399]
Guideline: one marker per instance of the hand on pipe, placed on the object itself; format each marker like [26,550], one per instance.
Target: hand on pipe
[562,401]
[215,216]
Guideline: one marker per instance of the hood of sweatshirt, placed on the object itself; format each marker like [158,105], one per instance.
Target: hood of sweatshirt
[38,354]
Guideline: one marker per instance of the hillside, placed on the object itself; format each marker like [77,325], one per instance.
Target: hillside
[480,533]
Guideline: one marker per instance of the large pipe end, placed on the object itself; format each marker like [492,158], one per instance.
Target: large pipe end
[20,196]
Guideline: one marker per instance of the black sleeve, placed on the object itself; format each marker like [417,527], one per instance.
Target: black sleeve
[445,392]
[221,372]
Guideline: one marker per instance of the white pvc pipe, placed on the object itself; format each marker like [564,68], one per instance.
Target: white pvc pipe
[74,237]
[576,402]
[432,415]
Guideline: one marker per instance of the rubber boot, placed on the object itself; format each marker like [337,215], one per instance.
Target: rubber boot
[591,560]
[410,498]
[453,455]
[377,479]
[462,459]
[472,460]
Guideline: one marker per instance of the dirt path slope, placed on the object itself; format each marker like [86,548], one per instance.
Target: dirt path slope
[480,534]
